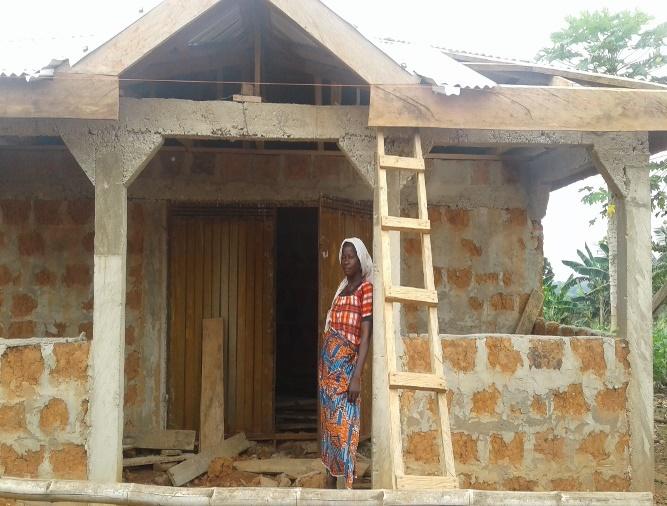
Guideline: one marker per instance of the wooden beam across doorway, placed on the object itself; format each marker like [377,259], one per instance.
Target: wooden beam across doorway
[520,108]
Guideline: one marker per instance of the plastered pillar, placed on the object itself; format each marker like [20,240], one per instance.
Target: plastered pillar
[108,346]
[623,160]
[111,161]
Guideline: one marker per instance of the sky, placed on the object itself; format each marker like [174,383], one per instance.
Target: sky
[510,29]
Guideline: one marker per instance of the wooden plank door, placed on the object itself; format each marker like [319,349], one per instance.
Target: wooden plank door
[222,266]
[340,219]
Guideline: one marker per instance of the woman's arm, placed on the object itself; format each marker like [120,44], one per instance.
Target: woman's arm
[354,390]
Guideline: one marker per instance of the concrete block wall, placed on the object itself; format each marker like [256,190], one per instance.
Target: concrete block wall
[487,248]
[46,267]
[47,234]
[43,407]
[526,412]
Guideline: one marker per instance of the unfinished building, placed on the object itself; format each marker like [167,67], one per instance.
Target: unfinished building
[206,165]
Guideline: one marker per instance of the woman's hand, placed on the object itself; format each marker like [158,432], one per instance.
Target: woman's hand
[354,389]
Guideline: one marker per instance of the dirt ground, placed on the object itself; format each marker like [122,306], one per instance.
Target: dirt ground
[661,447]
[221,472]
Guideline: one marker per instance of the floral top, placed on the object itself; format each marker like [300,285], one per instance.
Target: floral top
[350,310]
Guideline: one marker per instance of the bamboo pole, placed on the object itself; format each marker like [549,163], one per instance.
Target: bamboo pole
[148,495]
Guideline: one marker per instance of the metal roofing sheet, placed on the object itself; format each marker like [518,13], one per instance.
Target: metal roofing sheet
[446,74]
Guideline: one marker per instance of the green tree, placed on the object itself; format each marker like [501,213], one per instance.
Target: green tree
[623,44]
[591,273]
[558,304]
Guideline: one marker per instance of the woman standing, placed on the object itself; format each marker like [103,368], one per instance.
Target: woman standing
[346,338]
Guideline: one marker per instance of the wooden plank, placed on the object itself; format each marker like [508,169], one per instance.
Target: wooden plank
[530,312]
[256,299]
[190,469]
[193,374]
[232,316]
[190,357]
[216,266]
[405,224]
[285,436]
[409,482]
[242,332]
[268,325]
[62,97]
[156,439]
[247,98]
[177,299]
[291,467]
[417,381]
[212,408]
[521,108]
[402,163]
[247,291]
[207,271]
[155,459]
[141,37]
[408,294]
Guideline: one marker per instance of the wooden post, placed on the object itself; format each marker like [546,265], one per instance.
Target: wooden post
[212,405]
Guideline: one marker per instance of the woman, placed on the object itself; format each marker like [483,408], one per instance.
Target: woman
[346,338]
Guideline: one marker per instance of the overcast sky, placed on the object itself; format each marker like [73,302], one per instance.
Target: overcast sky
[34,31]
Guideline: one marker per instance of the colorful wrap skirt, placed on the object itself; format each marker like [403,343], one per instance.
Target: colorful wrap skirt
[339,418]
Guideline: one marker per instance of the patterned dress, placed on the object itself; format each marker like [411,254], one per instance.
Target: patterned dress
[339,417]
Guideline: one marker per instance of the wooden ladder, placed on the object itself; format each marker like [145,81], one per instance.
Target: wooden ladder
[428,296]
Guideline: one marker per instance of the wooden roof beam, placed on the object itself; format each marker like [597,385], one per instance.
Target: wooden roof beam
[79,98]
[521,108]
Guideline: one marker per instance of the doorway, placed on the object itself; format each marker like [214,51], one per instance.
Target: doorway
[296,319]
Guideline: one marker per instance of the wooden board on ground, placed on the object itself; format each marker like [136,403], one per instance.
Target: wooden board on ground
[211,413]
[293,468]
[190,469]
[165,440]
[530,313]
[155,459]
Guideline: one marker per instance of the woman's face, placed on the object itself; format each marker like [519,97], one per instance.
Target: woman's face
[349,261]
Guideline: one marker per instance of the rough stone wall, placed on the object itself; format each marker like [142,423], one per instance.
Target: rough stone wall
[526,412]
[43,408]
[487,249]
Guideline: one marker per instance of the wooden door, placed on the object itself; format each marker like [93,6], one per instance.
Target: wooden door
[222,266]
[340,219]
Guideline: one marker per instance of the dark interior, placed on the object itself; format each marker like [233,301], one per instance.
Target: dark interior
[296,319]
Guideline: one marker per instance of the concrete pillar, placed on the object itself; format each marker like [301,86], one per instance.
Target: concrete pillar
[108,345]
[623,161]
[111,161]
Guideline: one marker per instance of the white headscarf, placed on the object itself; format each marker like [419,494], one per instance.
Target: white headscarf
[366,263]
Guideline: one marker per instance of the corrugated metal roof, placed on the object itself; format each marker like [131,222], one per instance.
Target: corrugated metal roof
[480,59]
[433,66]
[36,51]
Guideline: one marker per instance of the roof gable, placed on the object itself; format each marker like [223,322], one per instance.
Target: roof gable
[314,18]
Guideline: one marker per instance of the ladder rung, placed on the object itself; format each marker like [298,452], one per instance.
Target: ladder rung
[401,163]
[418,482]
[405,224]
[406,294]
[417,381]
